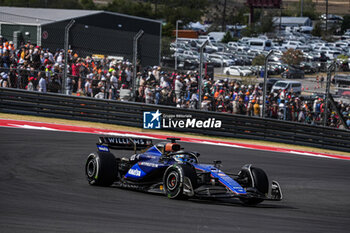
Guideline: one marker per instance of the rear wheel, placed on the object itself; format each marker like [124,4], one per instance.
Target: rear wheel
[257,182]
[101,169]
[179,181]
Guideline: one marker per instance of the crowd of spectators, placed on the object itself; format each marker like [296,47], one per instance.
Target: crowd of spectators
[38,69]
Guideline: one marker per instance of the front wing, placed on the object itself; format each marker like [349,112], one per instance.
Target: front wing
[209,191]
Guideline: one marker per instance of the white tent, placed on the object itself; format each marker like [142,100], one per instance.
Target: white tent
[196,25]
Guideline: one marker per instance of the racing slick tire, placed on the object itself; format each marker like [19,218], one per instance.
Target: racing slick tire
[261,184]
[101,169]
[174,180]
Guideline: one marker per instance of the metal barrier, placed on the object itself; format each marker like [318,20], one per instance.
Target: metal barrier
[131,114]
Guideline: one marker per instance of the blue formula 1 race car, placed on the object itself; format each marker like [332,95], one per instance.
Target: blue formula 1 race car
[167,169]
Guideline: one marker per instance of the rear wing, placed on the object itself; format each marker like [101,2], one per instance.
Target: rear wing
[125,143]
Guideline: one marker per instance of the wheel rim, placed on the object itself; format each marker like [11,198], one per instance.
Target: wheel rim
[91,168]
[172,181]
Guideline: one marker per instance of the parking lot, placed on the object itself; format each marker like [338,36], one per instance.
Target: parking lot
[240,60]
[309,82]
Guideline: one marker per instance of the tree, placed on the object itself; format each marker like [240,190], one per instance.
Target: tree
[249,31]
[309,9]
[142,9]
[259,60]
[170,10]
[346,23]
[292,57]
[219,14]
[186,10]
[88,4]
[343,58]
[63,4]
[167,30]
[166,41]
[227,38]
[317,30]
[266,24]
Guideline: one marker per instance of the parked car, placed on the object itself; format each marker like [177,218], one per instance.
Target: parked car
[344,92]
[220,60]
[332,54]
[237,71]
[269,84]
[341,80]
[293,73]
[295,45]
[260,44]
[309,67]
[236,46]
[216,60]
[287,85]
[190,54]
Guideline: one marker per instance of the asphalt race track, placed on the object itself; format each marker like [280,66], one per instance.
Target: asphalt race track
[43,189]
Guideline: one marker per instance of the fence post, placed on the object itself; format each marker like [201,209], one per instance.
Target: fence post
[66,44]
[200,73]
[265,82]
[135,42]
[331,68]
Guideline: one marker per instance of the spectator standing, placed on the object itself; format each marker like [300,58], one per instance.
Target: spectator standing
[13,77]
[156,74]
[114,85]
[88,87]
[256,108]
[206,103]
[69,85]
[141,91]
[36,58]
[282,108]
[5,61]
[76,73]
[60,58]
[30,86]
[94,85]
[178,87]
[322,80]
[301,116]
[42,84]
[149,95]
[128,75]
[125,93]
[54,86]
[103,83]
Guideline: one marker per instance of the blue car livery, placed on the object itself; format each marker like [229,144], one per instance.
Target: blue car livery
[166,168]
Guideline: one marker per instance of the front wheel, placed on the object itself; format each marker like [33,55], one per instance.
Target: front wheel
[179,181]
[255,181]
[101,169]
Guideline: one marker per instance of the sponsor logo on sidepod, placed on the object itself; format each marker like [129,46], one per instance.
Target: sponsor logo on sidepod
[134,172]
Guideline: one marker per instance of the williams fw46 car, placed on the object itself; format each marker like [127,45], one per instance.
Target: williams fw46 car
[166,168]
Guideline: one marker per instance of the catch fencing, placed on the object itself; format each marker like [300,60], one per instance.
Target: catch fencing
[131,114]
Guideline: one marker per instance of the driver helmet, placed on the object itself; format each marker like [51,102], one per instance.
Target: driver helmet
[180,158]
